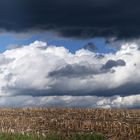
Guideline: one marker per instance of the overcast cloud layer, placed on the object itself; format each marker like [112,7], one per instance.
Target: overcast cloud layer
[73,18]
[39,75]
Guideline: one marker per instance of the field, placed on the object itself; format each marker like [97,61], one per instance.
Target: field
[115,124]
[52,137]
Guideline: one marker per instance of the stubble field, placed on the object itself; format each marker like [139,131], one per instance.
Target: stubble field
[115,124]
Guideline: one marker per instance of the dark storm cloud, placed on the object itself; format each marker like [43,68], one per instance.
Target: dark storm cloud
[90,46]
[74,71]
[73,18]
[112,63]
[77,70]
[124,90]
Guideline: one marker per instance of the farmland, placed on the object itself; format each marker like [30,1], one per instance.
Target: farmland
[94,136]
[115,124]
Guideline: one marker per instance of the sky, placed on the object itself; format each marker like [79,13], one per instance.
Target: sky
[70,53]
[10,39]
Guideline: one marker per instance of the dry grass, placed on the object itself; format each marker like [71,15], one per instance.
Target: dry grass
[115,124]
[6,136]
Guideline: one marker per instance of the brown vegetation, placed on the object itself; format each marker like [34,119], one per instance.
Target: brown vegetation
[115,124]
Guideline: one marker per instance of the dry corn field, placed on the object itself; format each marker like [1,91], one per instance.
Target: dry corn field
[115,124]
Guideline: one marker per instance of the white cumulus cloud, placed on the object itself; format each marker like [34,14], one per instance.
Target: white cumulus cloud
[38,71]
